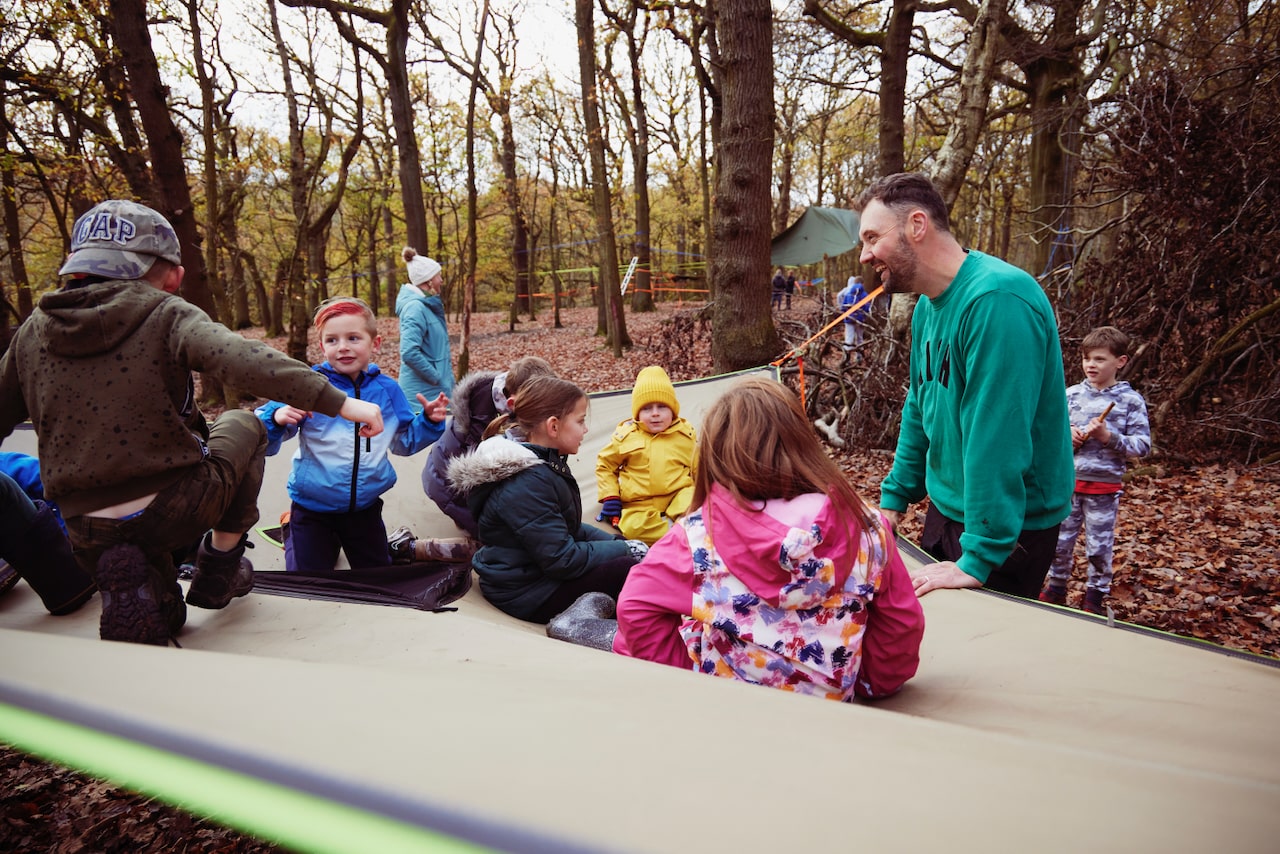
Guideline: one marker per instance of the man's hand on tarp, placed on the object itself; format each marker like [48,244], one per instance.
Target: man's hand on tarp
[944,575]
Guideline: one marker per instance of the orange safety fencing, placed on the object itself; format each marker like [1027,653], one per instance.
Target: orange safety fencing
[659,283]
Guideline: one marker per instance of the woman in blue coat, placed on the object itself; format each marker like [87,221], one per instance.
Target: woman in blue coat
[426,364]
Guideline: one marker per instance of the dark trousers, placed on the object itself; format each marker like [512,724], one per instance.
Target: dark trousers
[607,577]
[19,512]
[316,538]
[220,493]
[1021,575]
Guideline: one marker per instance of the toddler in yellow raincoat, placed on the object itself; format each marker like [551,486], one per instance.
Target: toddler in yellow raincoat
[644,476]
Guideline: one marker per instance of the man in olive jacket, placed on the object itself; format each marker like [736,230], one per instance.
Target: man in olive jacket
[102,368]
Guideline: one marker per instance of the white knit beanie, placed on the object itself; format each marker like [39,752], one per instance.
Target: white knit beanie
[421,268]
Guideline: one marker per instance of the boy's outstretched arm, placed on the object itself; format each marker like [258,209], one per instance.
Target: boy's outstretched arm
[281,421]
[437,410]
[289,415]
[364,413]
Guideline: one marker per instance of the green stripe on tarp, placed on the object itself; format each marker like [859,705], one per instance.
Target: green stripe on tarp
[277,814]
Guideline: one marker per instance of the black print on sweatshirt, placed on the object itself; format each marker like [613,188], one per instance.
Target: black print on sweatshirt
[941,354]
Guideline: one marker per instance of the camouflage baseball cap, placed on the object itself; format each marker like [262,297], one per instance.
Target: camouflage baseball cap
[119,239]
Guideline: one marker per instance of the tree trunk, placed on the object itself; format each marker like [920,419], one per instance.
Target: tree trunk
[1052,83]
[208,136]
[267,317]
[894,44]
[786,130]
[291,273]
[636,116]
[515,208]
[12,226]
[743,334]
[397,70]
[611,300]
[893,86]
[473,257]
[129,23]
[967,125]
[389,259]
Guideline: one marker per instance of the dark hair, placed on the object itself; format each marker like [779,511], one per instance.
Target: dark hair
[524,369]
[155,273]
[756,442]
[903,192]
[1106,338]
[539,398]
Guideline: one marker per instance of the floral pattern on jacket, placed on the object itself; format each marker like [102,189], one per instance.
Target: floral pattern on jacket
[810,642]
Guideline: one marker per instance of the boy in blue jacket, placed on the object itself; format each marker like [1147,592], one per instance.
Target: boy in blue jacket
[338,476]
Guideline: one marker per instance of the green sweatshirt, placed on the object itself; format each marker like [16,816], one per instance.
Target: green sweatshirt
[985,431]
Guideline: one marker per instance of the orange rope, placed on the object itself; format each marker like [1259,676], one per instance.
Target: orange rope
[795,352]
[800,364]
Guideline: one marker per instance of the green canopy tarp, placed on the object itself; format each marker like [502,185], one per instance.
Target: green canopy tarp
[817,234]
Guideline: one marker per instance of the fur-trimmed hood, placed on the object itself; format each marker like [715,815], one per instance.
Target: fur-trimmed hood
[495,459]
[460,400]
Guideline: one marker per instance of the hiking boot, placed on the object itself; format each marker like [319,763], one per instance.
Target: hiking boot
[131,609]
[587,622]
[1093,601]
[400,544]
[173,610]
[220,576]
[1054,595]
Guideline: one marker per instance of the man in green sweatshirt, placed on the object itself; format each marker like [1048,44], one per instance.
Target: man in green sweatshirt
[985,432]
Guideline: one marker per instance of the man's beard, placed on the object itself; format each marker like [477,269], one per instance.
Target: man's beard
[901,279]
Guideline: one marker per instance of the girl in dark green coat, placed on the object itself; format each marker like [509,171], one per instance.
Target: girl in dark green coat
[537,557]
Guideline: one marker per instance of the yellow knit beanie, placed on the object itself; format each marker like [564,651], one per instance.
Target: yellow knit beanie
[653,386]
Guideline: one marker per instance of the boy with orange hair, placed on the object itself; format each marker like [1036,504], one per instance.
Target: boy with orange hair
[338,476]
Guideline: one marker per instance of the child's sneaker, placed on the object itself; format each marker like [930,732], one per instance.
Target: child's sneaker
[131,600]
[1093,601]
[400,544]
[1054,595]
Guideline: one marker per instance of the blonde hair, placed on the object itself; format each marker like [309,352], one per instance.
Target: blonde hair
[539,398]
[756,443]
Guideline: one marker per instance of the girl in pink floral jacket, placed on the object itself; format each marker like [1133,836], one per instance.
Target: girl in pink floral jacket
[780,574]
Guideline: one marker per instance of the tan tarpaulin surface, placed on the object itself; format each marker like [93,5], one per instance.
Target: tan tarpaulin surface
[1026,728]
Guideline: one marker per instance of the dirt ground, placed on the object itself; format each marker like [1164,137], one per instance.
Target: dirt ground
[1197,554]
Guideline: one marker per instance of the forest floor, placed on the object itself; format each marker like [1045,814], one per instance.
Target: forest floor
[1197,554]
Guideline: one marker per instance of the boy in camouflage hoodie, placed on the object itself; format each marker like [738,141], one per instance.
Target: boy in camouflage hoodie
[1108,425]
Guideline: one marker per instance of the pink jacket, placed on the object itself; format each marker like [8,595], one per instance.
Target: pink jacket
[791,596]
